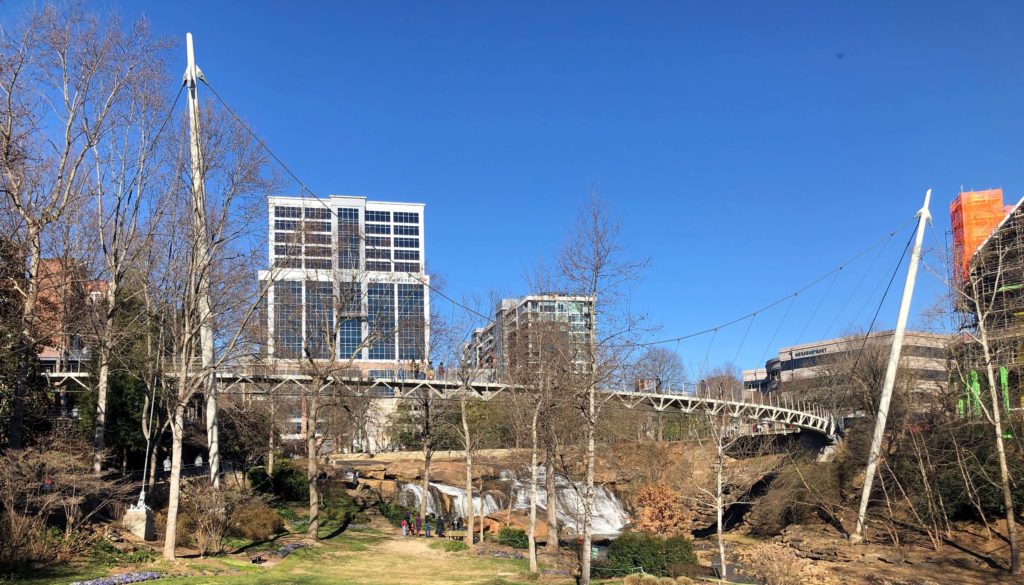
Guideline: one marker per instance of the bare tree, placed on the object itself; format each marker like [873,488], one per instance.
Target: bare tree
[234,170]
[543,358]
[64,83]
[658,370]
[129,183]
[592,265]
[720,434]
[983,296]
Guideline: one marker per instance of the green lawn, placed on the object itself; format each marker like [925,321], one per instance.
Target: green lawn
[359,556]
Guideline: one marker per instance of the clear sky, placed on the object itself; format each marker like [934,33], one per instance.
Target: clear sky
[748,147]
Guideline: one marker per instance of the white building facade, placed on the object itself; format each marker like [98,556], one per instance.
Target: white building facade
[347,283]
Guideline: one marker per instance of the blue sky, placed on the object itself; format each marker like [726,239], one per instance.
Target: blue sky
[749,147]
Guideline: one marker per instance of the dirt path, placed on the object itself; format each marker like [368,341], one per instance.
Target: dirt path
[410,546]
[385,557]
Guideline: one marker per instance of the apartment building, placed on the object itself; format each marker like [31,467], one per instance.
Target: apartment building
[515,320]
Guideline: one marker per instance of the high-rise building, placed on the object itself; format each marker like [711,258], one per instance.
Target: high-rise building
[516,320]
[346,282]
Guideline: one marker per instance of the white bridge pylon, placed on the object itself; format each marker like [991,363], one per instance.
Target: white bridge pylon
[801,415]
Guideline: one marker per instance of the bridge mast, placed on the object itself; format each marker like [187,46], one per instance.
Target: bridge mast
[890,371]
[202,261]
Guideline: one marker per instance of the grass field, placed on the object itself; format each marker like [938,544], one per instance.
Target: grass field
[359,556]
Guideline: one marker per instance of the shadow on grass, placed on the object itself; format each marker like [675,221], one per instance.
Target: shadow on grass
[33,575]
[337,531]
[258,543]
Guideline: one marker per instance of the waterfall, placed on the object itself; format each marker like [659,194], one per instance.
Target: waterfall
[608,518]
[411,493]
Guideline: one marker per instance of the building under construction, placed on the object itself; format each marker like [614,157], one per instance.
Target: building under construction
[988,278]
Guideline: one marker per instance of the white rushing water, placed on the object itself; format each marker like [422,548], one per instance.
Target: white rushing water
[608,519]
[412,492]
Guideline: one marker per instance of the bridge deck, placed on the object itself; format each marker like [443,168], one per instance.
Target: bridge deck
[801,415]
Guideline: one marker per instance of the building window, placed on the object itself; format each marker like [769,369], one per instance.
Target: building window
[317,226]
[407,243]
[293,212]
[318,213]
[381,318]
[288,263]
[384,254]
[318,252]
[406,217]
[286,224]
[318,263]
[286,237]
[378,266]
[288,319]
[288,250]
[319,318]
[378,228]
[348,238]
[407,230]
[411,338]
[407,267]
[321,239]
[380,216]
[350,336]
[407,254]
[378,242]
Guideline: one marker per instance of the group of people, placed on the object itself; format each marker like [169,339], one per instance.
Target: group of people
[420,371]
[417,526]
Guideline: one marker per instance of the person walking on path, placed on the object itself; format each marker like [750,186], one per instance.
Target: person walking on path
[405,527]
[419,525]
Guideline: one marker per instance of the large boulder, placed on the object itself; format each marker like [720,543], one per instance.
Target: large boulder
[495,522]
[406,469]
[370,470]
[387,488]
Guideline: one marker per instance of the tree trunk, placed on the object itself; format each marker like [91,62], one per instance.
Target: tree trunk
[16,424]
[588,490]
[270,454]
[469,477]
[153,457]
[551,546]
[102,382]
[106,343]
[428,454]
[531,537]
[718,510]
[1004,472]
[212,426]
[480,489]
[174,492]
[312,467]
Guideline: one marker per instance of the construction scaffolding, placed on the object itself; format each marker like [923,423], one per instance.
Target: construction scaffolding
[990,290]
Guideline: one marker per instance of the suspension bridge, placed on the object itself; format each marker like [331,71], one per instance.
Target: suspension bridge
[804,416]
